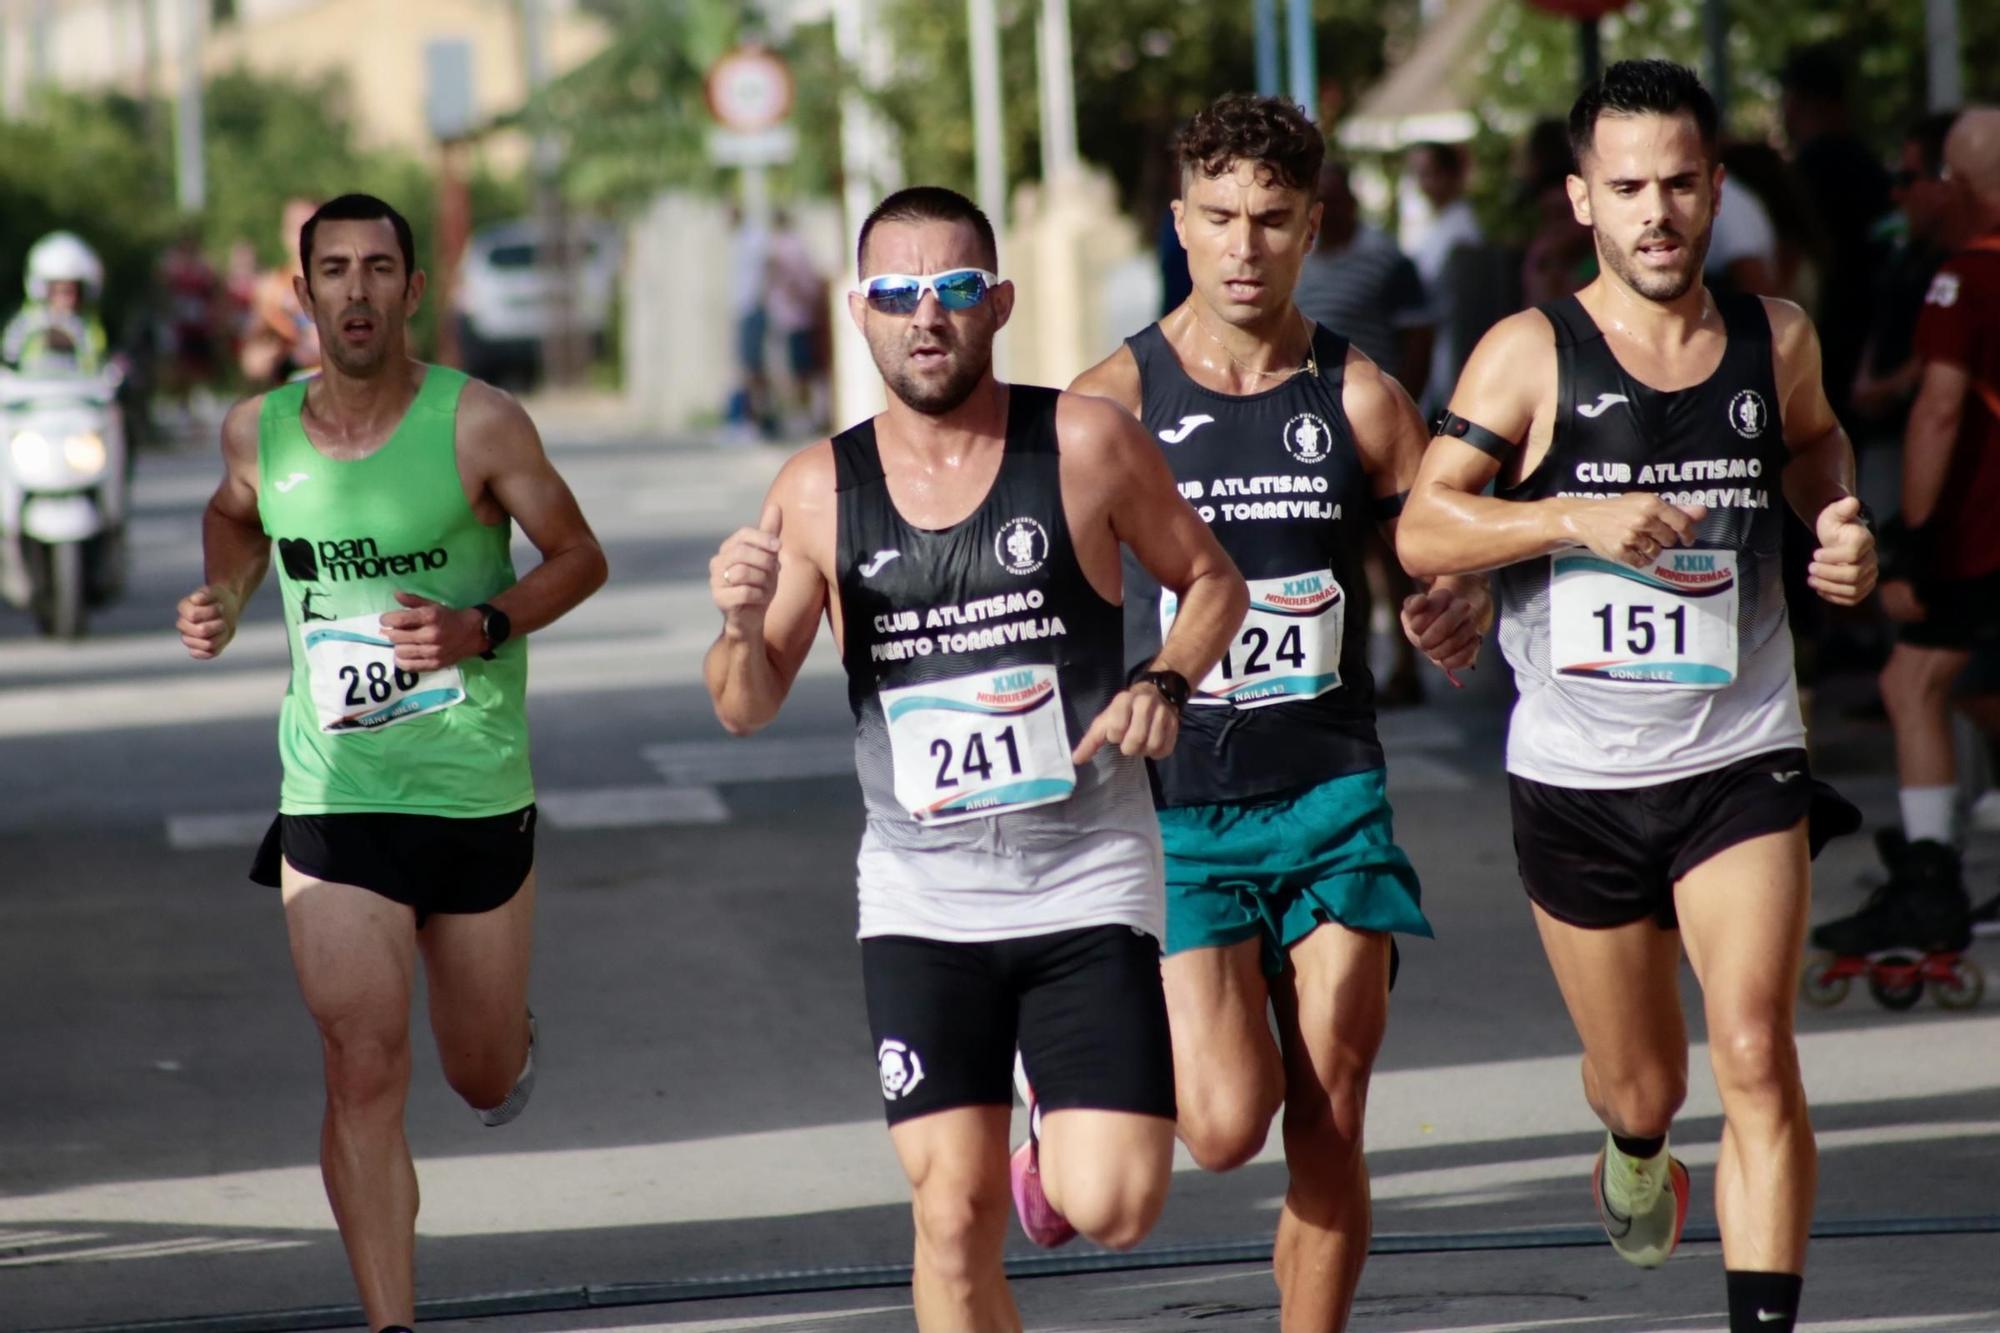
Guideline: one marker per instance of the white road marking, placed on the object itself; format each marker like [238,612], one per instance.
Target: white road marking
[760,760]
[176,1248]
[632,807]
[582,808]
[828,1168]
[192,833]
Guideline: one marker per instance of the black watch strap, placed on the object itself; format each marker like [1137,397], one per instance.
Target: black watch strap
[495,625]
[1172,685]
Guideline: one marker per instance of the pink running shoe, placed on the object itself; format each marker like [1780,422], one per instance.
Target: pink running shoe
[1043,1224]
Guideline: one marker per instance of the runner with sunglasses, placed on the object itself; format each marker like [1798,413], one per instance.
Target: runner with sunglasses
[1284,880]
[964,545]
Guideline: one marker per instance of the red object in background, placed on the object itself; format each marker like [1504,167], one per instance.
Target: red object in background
[1580,9]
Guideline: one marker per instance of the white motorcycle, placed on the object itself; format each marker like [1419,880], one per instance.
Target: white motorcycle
[62,495]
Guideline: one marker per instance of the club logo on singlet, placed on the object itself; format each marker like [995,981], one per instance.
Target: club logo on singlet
[900,1068]
[1022,546]
[1308,438]
[1748,414]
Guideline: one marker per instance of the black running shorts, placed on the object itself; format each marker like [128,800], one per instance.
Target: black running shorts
[1598,858]
[426,862]
[1961,614]
[1084,1006]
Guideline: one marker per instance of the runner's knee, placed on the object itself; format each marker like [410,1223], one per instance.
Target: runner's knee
[364,1065]
[1755,1062]
[1224,1127]
[1116,1205]
[1641,1100]
[1323,1124]
[961,1227]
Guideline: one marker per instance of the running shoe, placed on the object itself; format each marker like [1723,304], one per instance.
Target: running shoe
[524,1087]
[1043,1224]
[1642,1211]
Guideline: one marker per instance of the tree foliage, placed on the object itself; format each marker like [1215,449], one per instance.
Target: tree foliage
[1532,66]
[1142,67]
[634,120]
[103,168]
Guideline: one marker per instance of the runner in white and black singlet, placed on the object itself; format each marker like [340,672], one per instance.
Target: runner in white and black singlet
[964,545]
[1284,879]
[1643,435]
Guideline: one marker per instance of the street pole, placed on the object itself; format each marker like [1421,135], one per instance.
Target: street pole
[870,167]
[1304,55]
[988,151]
[1060,157]
[1944,63]
[1265,16]
[562,362]
[1715,41]
[1589,50]
[190,178]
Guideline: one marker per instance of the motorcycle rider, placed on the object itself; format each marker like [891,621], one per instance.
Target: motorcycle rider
[58,327]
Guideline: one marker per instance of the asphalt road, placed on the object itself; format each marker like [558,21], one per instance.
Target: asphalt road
[707,1106]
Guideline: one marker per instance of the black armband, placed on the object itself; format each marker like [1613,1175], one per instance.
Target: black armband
[1491,443]
[1386,507]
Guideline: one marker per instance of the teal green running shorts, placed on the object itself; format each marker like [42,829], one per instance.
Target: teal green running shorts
[1279,868]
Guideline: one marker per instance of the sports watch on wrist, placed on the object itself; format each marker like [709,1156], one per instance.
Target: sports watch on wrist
[495,625]
[1172,685]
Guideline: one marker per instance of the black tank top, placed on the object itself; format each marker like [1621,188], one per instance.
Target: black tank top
[1276,477]
[977,655]
[1623,709]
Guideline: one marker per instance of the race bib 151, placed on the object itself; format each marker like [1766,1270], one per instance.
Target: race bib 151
[1672,623]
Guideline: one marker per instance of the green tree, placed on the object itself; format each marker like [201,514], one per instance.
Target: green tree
[1534,71]
[1142,67]
[634,120]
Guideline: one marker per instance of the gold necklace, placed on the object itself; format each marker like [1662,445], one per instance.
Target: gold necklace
[1311,365]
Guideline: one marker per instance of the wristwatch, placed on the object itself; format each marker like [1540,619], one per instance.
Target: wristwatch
[495,625]
[1172,685]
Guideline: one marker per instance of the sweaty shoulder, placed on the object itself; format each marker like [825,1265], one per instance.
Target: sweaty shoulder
[483,408]
[1791,327]
[1510,371]
[239,432]
[1095,433]
[1116,377]
[1372,398]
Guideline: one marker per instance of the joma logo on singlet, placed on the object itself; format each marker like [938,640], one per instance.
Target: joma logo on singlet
[342,559]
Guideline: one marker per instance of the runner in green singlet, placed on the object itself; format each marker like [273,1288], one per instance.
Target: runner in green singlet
[406,818]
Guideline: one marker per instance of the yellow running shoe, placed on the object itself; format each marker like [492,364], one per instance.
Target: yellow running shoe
[1643,1205]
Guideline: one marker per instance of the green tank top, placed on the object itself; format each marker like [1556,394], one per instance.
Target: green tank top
[356,734]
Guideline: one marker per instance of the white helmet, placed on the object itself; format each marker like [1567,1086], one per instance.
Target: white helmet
[62,256]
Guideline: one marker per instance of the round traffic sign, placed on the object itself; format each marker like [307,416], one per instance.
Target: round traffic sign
[749,89]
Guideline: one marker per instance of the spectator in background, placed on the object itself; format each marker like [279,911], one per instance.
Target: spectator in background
[1357,283]
[797,298]
[279,340]
[1440,170]
[750,262]
[1849,192]
[1942,583]
[1928,227]
[192,323]
[1798,243]
[1560,256]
